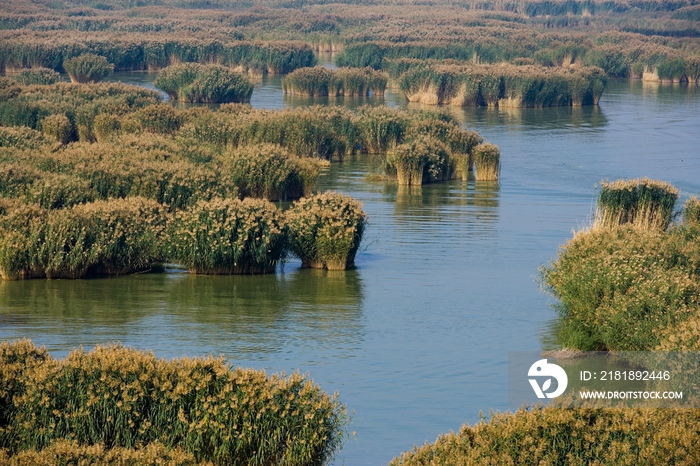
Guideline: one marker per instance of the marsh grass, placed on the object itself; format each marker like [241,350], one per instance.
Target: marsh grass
[642,202]
[487,161]
[228,236]
[536,435]
[195,83]
[88,68]
[325,230]
[321,81]
[119,398]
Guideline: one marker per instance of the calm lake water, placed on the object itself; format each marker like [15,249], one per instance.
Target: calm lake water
[416,338]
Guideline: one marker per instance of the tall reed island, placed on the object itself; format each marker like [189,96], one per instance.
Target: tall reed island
[116,405]
[630,282]
[195,83]
[501,85]
[320,81]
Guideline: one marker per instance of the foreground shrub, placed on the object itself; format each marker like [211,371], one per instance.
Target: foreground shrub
[116,397]
[325,230]
[104,237]
[423,160]
[195,83]
[628,288]
[487,161]
[270,172]
[41,76]
[228,236]
[66,452]
[87,68]
[641,202]
[568,436]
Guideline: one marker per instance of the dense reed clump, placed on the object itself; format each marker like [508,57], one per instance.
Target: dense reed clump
[40,76]
[88,68]
[195,83]
[619,436]
[691,210]
[641,202]
[119,398]
[228,236]
[502,85]
[270,172]
[487,161]
[321,81]
[325,230]
[422,160]
[57,127]
[103,237]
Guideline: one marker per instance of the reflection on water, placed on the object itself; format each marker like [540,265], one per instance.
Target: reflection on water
[234,314]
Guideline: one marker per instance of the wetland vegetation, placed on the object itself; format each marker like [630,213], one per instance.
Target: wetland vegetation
[98,176]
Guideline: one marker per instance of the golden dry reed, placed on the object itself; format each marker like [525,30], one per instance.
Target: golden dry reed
[114,398]
[576,436]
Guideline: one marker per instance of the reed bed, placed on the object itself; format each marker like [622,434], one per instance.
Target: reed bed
[320,81]
[567,436]
[117,398]
[21,137]
[502,85]
[104,237]
[145,166]
[195,83]
[87,68]
[30,105]
[270,172]
[38,76]
[57,127]
[228,236]
[487,161]
[641,202]
[325,230]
